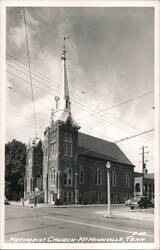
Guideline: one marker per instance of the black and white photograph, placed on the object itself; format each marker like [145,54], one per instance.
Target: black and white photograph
[80,138]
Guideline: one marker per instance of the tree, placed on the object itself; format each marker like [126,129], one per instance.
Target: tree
[15,161]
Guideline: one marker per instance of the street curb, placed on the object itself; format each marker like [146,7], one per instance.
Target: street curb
[130,216]
[63,206]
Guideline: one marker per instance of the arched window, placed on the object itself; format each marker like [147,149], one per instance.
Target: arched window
[114,178]
[65,177]
[81,176]
[98,176]
[145,188]
[68,176]
[137,187]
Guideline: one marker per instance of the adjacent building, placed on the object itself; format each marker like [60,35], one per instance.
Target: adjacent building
[144,184]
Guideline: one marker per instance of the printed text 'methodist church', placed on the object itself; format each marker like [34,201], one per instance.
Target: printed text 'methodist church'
[70,166]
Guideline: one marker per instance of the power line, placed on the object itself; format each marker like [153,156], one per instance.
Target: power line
[94,113]
[116,120]
[44,90]
[27,75]
[102,110]
[27,98]
[30,99]
[76,101]
[51,82]
[28,82]
[29,64]
[35,71]
[119,104]
[112,120]
[17,92]
[133,136]
[105,109]
[112,138]
[27,119]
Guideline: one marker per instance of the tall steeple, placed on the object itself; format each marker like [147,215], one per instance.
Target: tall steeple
[63,99]
[63,103]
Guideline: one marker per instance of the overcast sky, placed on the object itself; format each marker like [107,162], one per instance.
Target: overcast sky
[109,61]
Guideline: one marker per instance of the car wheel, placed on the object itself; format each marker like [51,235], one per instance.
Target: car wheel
[132,207]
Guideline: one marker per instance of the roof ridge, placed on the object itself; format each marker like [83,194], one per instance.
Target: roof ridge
[97,138]
[103,147]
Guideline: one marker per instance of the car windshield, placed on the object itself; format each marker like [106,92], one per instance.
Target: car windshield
[136,199]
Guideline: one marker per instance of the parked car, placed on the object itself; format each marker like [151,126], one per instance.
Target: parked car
[127,202]
[140,202]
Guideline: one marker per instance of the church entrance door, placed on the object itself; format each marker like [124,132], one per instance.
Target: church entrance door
[53,197]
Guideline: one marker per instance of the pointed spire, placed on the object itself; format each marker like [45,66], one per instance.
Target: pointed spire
[64,102]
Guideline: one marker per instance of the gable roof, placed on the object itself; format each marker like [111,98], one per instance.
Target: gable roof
[95,147]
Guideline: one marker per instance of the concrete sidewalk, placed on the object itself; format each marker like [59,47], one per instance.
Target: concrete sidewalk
[137,214]
[19,203]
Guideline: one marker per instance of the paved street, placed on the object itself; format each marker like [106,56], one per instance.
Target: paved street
[75,224]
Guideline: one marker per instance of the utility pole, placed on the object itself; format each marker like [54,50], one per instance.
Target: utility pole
[35,180]
[35,170]
[143,165]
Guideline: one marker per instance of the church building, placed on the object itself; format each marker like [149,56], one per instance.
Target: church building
[69,167]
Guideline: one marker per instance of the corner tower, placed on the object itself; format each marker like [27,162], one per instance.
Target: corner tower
[61,140]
